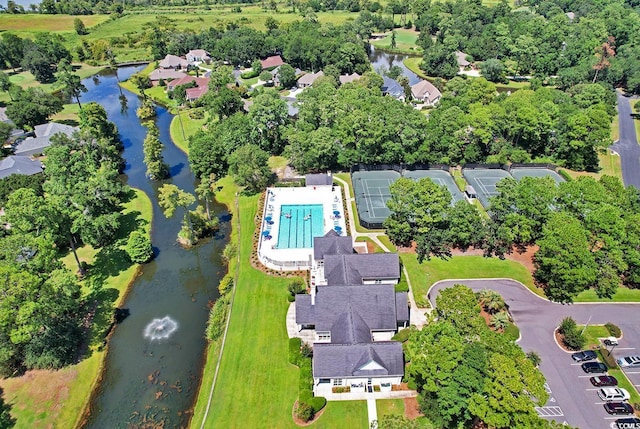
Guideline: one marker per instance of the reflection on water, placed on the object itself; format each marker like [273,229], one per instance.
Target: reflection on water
[383,61]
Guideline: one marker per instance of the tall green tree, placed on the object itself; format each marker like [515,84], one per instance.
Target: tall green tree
[249,166]
[171,197]
[70,83]
[269,115]
[32,107]
[157,169]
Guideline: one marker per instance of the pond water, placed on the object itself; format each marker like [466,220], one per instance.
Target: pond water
[155,356]
[382,61]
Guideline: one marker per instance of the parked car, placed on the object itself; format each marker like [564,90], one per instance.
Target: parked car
[621,408]
[584,356]
[613,394]
[603,381]
[629,361]
[628,423]
[594,367]
[610,341]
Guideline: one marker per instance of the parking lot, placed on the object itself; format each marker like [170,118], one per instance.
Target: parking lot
[572,398]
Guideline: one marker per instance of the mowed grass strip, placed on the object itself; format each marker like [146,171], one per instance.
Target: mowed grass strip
[257,386]
[54,23]
[57,399]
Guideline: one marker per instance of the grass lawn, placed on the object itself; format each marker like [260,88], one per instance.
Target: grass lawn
[615,128]
[390,407]
[278,162]
[376,248]
[385,240]
[56,399]
[38,22]
[182,127]
[257,386]
[623,294]
[405,41]
[609,165]
[429,272]
[592,333]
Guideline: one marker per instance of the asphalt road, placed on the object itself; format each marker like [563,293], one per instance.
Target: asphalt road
[572,397]
[627,146]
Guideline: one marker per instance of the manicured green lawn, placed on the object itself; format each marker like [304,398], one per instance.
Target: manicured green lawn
[390,407]
[624,383]
[376,248]
[615,128]
[257,386]
[44,399]
[609,165]
[623,294]
[182,127]
[429,272]
[405,41]
[385,240]
[592,333]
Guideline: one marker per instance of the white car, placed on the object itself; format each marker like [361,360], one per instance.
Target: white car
[613,394]
[629,361]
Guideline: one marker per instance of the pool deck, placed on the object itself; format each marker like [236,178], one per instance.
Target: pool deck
[330,197]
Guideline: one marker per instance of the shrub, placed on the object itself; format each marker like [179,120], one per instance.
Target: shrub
[291,298]
[230,251]
[294,350]
[226,284]
[296,286]
[341,389]
[614,330]
[607,358]
[534,358]
[217,319]
[304,411]
[317,403]
[402,335]
[574,340]
[512,331]
[306,374]
[139,247]
[567,325]
[306,350]
[402,286]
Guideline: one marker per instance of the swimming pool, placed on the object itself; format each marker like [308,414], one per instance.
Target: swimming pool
[299,223]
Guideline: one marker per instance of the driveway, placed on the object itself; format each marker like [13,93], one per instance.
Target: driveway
[627,146]
[572,397]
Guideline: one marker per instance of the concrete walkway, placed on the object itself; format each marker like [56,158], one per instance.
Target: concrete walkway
[372,412]
[306,335]
[362,396]
[418,317]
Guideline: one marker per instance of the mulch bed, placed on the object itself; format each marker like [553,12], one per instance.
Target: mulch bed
[300,422]
[412,408]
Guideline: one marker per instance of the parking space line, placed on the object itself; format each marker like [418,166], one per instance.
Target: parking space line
[625,348]
[584,376]
[591,389]
[549,411]
[632,372]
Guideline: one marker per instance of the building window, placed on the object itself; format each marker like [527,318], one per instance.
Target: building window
[324,336]
[378,282]
[337,382]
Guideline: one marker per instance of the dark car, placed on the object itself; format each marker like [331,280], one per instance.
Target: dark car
[628,423]
[618,408]
[584,356]
[594,367]
[603,381]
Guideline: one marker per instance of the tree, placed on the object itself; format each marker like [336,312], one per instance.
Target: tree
[71,83]
[93,119]
[157,169]
[393,39]
[5,84]
[491,300]
[459,306]
[269,115]
[493,70]
[170,198]
[439,61]
[139,247]
[603,53]
[79,27]
[220,77]
[224,103]
[256,67]
[249,167]
[271,24]
[33,107]
[141,82]
[147,110]
[287,76]
[13,49]
[500,320]
[205,191]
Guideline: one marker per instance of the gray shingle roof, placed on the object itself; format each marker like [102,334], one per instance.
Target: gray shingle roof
[402,308]
[346,361]
[375,304]
[44,132]
[350,328]
[331,244]
[318,179]
[391,87]
[355,268]
[19,165]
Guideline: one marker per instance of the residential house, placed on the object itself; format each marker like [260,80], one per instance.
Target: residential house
[272,62]
[42,140]
[166,75]
[463,63]
[308,79]
[365,269]
[198,56]
[392,88]
[426,92]
[200,81]
[173,62]
[19,165]
[346,78]
[194,94]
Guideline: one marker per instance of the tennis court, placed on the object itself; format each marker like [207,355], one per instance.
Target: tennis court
[484,182]
[441,178]
[519,173]
[371,191]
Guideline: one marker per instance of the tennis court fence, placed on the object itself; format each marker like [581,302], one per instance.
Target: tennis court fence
[399,168]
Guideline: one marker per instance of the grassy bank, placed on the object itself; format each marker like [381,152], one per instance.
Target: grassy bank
[405,42]
[257,386]
[609,165]
[182,127]
[57,399]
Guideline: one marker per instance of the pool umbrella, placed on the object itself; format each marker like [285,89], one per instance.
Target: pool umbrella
[336,212]
[268,218]
[337,228]
[265,233]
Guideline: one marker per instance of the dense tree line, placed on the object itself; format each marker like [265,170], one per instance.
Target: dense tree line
[596,42]
[43,310]
[40,56]
[464,371]
[586,229]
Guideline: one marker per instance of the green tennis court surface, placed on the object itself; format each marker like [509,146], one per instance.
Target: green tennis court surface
[440,177]
[371,191]
[484,182]
[519,173]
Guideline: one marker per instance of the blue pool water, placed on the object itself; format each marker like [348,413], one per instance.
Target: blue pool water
[299,223]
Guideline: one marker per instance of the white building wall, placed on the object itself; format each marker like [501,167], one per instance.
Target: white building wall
[390,281]
[382,335]
[357,384]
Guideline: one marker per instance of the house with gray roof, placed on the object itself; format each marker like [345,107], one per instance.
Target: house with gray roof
[331,244]
[173,62]
[36,145]
[426,92]
[308,79]
[19,165]
[392,88]
[361,269]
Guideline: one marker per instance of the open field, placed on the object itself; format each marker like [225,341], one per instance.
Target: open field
[405,41]
[183,127]
[257,386]
[38,23]
[609,165]
[56,399]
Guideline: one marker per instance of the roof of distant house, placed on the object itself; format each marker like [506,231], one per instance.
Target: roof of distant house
[425,89]
[44,132]
[461,57]
[199,53]
[19,165]
[318,179]
[346,78]
[309,78]
[172,62]
[166,74]
[51,128]
[355,268]
[332,244]
[200,81]
[272,61]
[382,358]
[197,92]
[376,305]
[392,87]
